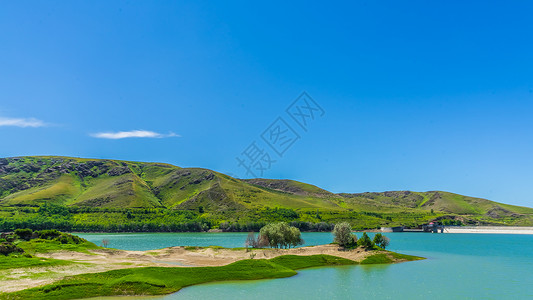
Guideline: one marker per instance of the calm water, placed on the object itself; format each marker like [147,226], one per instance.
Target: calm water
[459,266]
[150,241]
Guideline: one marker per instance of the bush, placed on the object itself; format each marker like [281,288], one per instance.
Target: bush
[381,240]
[365,242]
[24,234]
[48,234]
[66,238]
[343,235]
[8,237]
[8,248]
[281,235]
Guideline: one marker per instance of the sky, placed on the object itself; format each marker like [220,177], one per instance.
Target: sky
[350,96]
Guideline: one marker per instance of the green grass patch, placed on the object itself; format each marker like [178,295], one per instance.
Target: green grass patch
[123,264]
[151,280]
[215,247]
[377,259]
[405,257]
[233,249]
[388,258]
[14,261]
[43,246]
[193,248]
[296,262]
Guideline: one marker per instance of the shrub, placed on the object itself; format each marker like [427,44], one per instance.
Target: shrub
[8,248]
[281,235]
[365,242]
[8,237]
[343,235]
[48,234]
[63,239]
[24,234]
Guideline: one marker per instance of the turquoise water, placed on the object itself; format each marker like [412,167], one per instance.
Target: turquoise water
[459,266]
[150,241]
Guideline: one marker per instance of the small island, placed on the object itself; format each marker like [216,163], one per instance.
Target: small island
[49,264]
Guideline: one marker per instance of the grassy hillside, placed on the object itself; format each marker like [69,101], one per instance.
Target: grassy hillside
[85,193]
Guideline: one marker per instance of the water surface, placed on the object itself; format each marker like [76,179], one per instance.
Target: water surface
[459,266]
[151,241]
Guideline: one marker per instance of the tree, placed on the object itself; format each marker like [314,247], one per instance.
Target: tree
[365,241]
[385,242]
[281,235]
[250,240]
[343,235]
[381,240]
[256,242]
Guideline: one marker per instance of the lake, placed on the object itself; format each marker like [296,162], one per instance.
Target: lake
[459,266]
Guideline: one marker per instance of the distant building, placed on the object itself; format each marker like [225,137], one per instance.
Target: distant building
[392,229]
[433,227]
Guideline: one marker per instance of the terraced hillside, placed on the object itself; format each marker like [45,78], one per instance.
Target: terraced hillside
[90,190]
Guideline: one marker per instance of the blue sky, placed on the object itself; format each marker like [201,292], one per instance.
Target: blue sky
[419,96]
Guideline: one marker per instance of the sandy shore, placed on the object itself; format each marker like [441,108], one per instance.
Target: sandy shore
[195,257]
[489,229]
[111,259]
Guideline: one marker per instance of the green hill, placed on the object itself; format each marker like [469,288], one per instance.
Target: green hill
[91,190]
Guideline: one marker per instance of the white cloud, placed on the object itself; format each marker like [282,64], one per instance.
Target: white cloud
[132,134]
[22,122]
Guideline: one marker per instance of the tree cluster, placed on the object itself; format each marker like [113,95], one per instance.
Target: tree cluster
[345,238]
[381,240]
[256,226]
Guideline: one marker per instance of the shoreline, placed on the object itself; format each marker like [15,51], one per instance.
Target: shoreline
[490,229]
[108,259]
[448,229]
[241,263]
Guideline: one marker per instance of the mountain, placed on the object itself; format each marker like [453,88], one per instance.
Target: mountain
[34,181]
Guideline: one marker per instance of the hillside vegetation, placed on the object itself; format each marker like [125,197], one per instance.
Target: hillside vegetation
[92,194]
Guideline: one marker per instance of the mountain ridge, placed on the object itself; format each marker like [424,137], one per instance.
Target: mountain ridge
[32,181]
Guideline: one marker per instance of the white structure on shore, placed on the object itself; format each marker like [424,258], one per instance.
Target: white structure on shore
[392,229]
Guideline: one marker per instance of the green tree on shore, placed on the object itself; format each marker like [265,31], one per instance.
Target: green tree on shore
[343,235]
[365,241]
[281,235]
[381,240]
